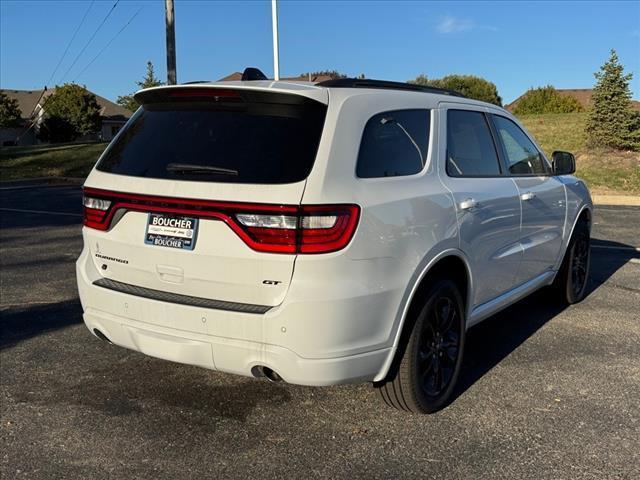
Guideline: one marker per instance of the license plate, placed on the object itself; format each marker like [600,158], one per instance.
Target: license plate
[171,231]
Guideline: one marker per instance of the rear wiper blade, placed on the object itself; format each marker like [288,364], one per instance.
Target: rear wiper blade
[197,169]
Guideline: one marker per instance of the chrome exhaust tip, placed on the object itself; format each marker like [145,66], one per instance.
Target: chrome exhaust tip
[101,335]
[269,374]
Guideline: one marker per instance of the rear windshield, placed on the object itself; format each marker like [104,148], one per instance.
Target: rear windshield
[237,137]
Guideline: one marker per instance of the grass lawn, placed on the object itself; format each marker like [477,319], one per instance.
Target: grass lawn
[605,171]
[63,160]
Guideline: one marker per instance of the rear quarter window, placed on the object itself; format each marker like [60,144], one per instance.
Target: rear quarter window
[394,143]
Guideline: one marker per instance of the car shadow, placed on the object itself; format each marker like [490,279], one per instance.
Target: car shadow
[18,323]
[606,258]
[491,341]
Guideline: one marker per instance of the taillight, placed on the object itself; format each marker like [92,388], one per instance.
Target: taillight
[95,212]
[263,227]
[327,228]
[312,229]
[269,233]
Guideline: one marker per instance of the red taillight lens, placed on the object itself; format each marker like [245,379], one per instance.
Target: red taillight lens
[263,227]
[270,232]
[327,228]
[313,229]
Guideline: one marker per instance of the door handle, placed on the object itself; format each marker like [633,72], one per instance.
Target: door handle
[468,204]
[525,197]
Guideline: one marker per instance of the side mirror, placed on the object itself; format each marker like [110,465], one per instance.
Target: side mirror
[564,163]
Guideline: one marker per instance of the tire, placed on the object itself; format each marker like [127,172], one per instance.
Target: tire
[435,344]
[571,281]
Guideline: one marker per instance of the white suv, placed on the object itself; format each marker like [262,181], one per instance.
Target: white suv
[347,231]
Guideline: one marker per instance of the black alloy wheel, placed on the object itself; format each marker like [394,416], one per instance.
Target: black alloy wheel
[423,376]
[439,347]
[580,265]
[573,277]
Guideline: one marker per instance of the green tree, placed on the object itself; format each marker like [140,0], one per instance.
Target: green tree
[470,86]
[612,122]
[334,74]
[546,100]
[421,80]
[10,113]
[149,80]
[70,112]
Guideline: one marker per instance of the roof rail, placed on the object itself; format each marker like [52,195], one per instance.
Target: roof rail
[367,83]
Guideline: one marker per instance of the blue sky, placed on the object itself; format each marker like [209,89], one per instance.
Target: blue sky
[514,44]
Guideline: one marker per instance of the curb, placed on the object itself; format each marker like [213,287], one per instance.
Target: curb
[617,200]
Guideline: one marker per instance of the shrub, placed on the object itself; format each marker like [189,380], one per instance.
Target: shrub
[471,86]
[70,112]
[321,73]
[57,130]
[10,113]
[546,100]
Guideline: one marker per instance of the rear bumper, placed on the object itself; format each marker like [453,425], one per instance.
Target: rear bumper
[228,341]
[233,356]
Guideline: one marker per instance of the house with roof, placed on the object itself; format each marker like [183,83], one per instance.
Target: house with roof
[236,76]
[582,95]
[31,102]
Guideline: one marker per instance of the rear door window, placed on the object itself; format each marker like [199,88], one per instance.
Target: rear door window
[471,151]
[394,143]
[261,138]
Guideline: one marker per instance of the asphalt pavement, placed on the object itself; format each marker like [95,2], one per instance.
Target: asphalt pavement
[545,392]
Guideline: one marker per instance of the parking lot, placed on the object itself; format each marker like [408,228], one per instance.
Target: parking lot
[545,393]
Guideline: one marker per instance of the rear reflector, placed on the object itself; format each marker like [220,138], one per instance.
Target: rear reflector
[263,227]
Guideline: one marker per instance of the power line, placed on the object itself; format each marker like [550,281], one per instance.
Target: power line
[70,42]
[108,43]
[90,40]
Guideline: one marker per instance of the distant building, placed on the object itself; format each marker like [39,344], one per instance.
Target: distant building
[31,103]
[582,95]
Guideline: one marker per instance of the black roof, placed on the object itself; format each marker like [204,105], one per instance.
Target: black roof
[383,84]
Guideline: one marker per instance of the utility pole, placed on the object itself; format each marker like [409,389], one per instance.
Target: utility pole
[172,78]
[274,25]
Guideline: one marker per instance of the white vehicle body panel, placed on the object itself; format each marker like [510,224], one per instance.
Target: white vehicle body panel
[334,317]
